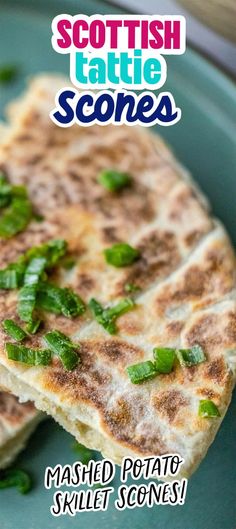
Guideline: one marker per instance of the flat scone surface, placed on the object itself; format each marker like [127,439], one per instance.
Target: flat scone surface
[17,422]
[186,276]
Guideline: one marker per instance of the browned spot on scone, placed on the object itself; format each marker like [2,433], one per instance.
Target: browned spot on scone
[117,351]
[208,393]
[121,416]
[193,237]
[169,403]
[213,278]
[216,371]
[174,328]
[12,410]
[84,283]
[230,329]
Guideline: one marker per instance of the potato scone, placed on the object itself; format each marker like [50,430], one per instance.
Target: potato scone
[17,423]
[182,285]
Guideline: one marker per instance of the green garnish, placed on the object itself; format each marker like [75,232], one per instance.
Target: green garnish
[32,326]
[191,357]
[53,251]
[12,276]
[164,359]
[34,270]
[26,355]
[8,73]
[13,330]
[121,254]
[5,192]
[140,372]
[84,454]
[207,408]
[15,478]
[62,346]
[59,300]
[107,317]
[114,180]
[131,287]
[15,217]
[27,302]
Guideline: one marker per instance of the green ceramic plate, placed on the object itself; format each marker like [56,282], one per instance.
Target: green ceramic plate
[205,141]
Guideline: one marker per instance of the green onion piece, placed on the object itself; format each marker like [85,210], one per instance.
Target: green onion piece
[191,357]
[27,302]
[59,300]
[84,454]
[114,180]
[16,217]
[34,270]
[5,191]
[8,72]
[13,330]
[33,326]
[107,317]
[9,279]
[13,477]
[12,276]
[207,408]
[52,251]
[97,310]
[121,254]
[140,372]
[125,305]
[164,359]
[33,357]
[131,287]
[62,346]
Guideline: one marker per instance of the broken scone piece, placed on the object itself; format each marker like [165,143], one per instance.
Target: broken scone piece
[17,423]
[181,282]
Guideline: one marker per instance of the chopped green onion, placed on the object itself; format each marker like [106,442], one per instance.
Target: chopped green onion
[9,279]
[207,408]
[12,477]
[34,270]
[121,254]
[14,330]
[97,310]
[164,359]
[16,217]
[8,72]
[191,357]
[84,454]
[140,372]
[52,251]
[5,191]
[114,180]
[32,326]
[33,357]
[107,317]
[62,346]
[13,275]
[59,300]
[131,287]
[27,302]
